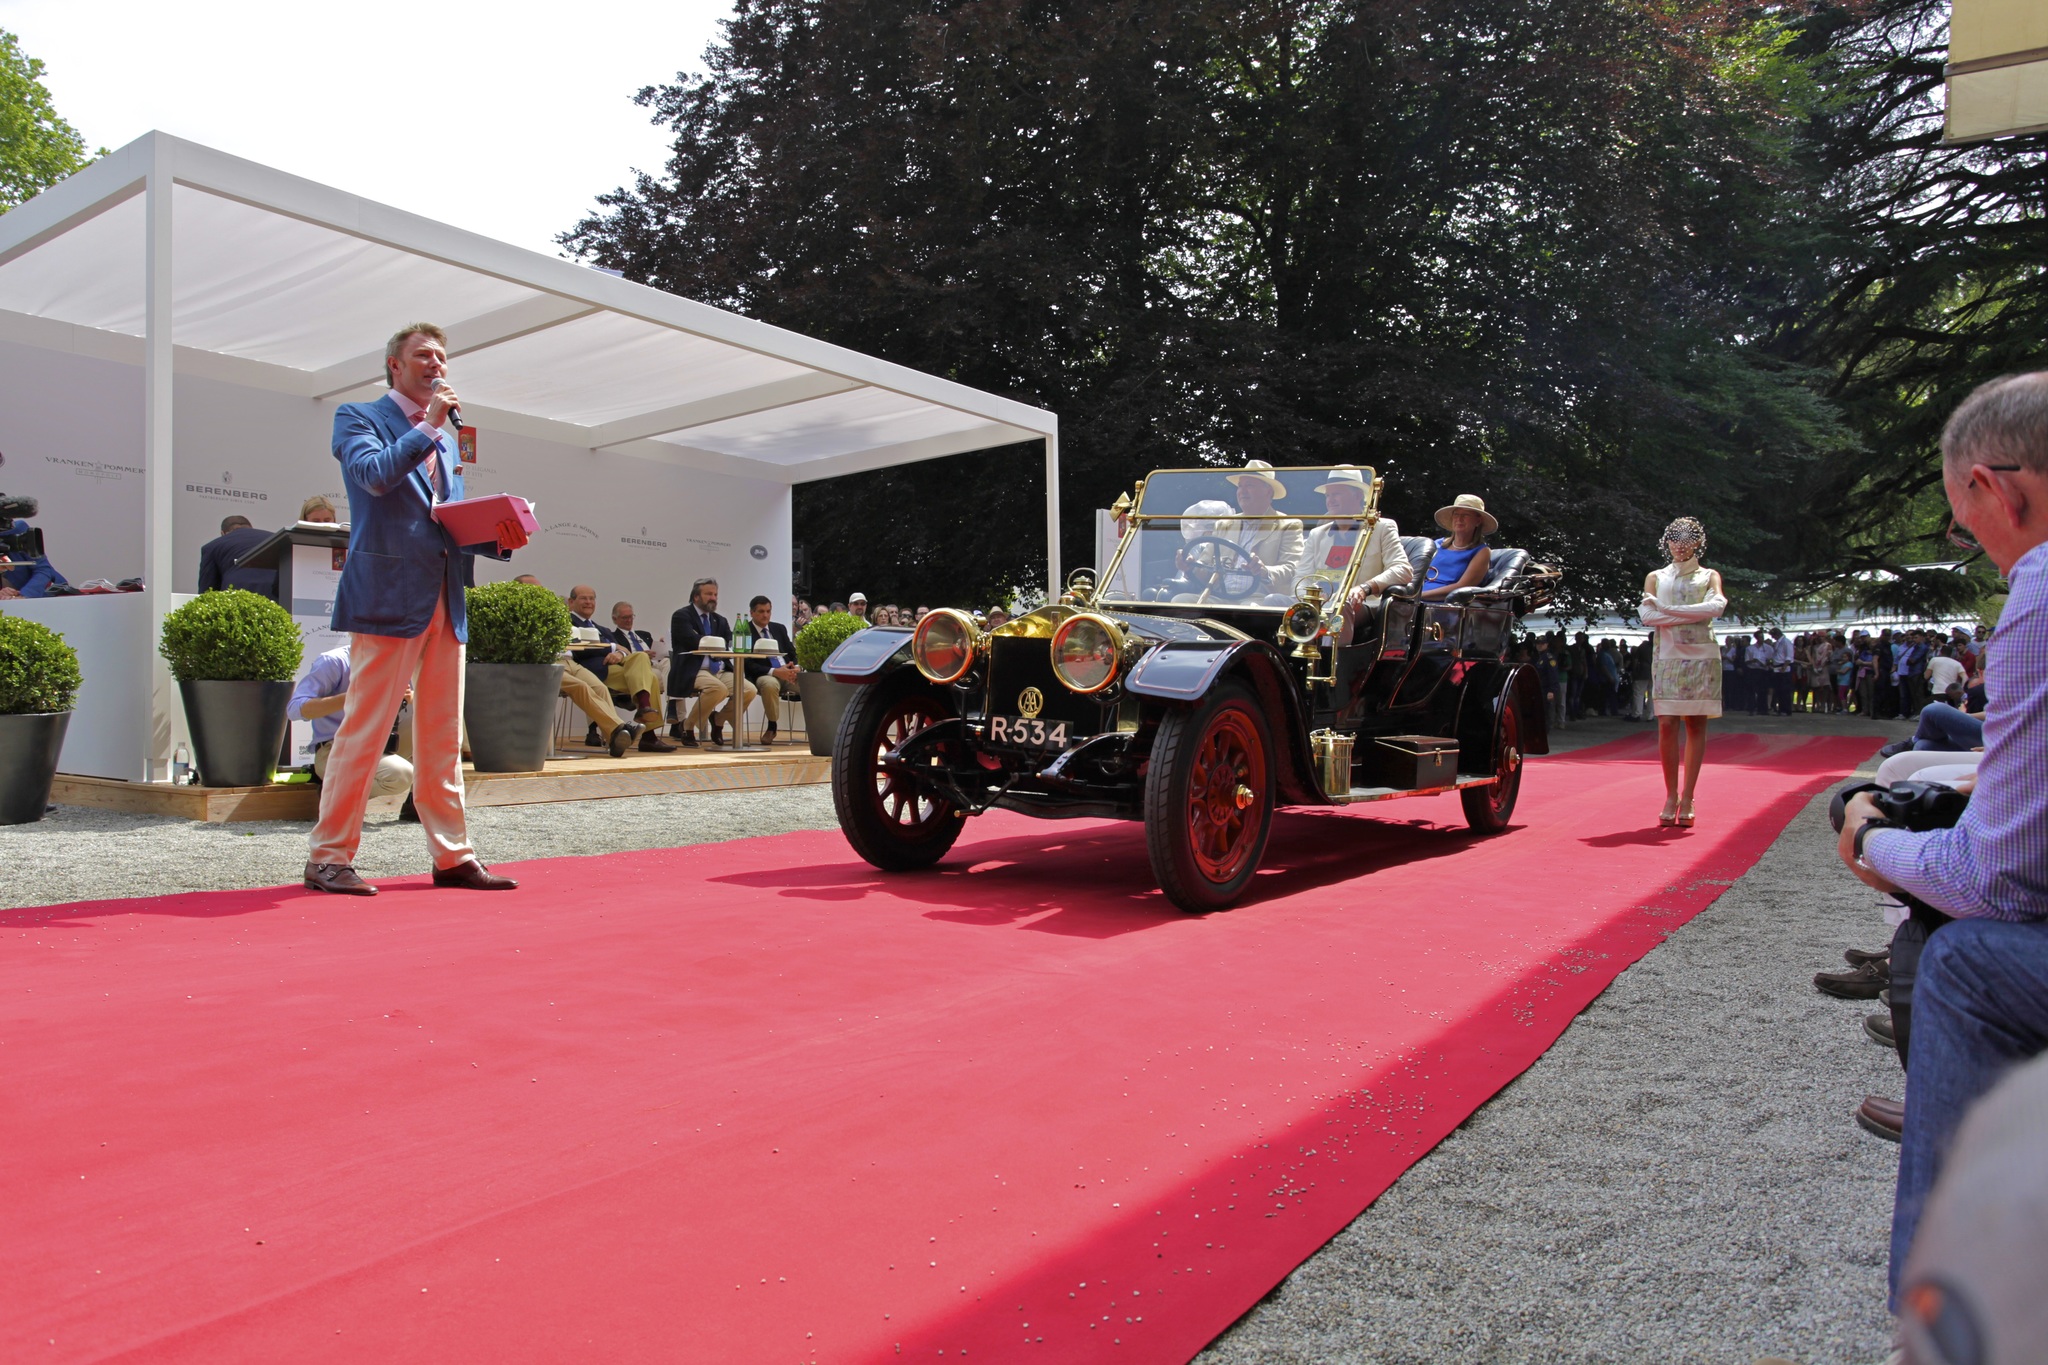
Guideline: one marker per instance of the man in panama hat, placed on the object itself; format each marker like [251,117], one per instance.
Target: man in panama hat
[1330,548]
[1274,546]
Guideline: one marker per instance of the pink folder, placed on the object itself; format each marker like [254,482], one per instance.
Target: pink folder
[473,521]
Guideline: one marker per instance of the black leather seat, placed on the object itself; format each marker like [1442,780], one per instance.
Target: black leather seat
[1503,565]
[1419,550]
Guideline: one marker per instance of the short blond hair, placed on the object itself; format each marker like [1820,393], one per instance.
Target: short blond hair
[317,502]
[406,333]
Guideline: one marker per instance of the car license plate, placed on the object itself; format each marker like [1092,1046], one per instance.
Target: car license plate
[1029,734]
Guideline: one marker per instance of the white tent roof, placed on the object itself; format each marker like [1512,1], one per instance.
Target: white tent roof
[280,283]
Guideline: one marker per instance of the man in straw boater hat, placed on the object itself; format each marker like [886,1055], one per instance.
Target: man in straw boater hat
[1331,547]
[1274,546]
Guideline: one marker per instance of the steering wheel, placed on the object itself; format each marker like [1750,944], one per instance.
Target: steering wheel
[1231,581]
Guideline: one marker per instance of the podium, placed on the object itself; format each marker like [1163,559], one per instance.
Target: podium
[308,557]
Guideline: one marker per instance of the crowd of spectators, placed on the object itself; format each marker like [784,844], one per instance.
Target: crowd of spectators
[1891,675]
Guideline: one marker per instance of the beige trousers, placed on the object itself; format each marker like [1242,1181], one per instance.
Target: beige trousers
[633,677]
[770,688]
[713,694]
[581,686]
[380,666]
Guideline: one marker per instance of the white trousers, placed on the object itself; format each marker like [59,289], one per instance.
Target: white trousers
[380,666]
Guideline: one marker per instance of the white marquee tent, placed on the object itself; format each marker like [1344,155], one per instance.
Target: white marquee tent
[253,302]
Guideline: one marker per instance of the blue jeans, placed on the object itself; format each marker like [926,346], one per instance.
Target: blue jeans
[1944,729]
[1980,1007]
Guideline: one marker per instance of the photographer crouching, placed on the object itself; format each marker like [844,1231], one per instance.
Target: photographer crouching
[1980,988]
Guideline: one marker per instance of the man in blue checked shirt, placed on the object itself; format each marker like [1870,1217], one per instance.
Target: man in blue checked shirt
[322,697]
[1980,1002]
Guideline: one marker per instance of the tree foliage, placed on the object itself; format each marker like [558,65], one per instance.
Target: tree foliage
[37,148]
[1578,257]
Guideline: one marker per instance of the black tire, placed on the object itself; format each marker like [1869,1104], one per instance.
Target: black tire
[1488,809]
[1209,798]
[887,817]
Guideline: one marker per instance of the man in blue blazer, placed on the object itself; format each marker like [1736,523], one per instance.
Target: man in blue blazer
[401,600]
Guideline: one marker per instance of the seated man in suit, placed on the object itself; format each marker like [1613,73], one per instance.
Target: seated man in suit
[217,559]
[774,675]
[584,688]
[1272,549]
[706,683]
[629,672]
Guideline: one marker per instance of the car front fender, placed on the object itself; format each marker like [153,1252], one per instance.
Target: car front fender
[1183,670]
[867,656]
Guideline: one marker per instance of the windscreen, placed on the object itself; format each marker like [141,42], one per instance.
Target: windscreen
[1242,537]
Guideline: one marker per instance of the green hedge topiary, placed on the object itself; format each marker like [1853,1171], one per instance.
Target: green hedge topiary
[232,636]
[516,623]
[38,671]
[821,635]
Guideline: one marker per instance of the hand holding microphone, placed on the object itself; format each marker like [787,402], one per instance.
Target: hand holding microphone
[444,404]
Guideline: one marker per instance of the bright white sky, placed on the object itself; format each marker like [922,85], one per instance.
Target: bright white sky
[505,117]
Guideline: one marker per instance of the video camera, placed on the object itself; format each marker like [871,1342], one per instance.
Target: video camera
[19,545]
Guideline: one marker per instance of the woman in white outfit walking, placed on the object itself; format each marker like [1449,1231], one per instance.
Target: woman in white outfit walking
[1679,600]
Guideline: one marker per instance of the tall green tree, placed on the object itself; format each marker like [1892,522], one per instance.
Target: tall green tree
[37,148]
[1521,250]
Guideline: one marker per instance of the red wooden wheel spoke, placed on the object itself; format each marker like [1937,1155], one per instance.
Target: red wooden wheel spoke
[1221,832]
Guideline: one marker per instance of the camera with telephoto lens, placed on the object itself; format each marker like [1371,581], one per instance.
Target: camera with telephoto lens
[1916,806]
[18,545]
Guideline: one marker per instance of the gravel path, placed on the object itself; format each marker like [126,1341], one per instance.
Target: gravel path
[1677,1179]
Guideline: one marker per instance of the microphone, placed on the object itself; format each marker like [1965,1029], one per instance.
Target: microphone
[455,412]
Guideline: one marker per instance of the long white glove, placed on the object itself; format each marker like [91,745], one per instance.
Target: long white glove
[1655,613]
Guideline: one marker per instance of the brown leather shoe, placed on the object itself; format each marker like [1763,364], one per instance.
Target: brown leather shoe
[339,878]
[1882,1117]
[1878,1028]
[622,739]
[653,743]
[471,875]
[1862,983]
[1856,957]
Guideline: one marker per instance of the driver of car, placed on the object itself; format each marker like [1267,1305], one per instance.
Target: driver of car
[1329,549]
[1272,548]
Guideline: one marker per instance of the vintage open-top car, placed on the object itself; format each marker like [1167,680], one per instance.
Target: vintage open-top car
[1197,686]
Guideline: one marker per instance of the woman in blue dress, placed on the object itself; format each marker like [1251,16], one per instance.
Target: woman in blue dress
[1461,560]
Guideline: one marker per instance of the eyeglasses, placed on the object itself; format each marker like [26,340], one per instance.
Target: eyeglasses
[1960,535]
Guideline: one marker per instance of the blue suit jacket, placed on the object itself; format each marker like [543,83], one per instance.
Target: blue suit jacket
[400,560]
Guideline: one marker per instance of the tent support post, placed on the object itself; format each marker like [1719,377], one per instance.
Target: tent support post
[157,511]
[1052,518]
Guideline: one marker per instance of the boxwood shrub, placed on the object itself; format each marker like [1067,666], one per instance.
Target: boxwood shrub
[821,635]
[232,636]
[38,671]
[516,623]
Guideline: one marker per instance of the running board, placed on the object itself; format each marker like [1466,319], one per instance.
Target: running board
[1390,793]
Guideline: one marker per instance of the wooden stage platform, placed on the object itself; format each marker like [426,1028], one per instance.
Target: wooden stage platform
[573,775]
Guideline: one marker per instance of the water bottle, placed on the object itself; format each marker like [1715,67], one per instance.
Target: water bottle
[181,766]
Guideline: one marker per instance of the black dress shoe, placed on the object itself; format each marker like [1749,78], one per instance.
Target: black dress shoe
[471,875]
[339,878]
[591,738]
[653,743]
[1862,983]
[718,734]
[1878,1027]
[409,813]
[622,739]
[768,735]
[686,738]
[1856,957]
[1882,1117]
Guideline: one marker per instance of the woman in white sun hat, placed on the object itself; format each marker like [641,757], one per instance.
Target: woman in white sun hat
[1462,559]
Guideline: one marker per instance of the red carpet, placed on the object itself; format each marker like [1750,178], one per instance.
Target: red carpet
[755,1101]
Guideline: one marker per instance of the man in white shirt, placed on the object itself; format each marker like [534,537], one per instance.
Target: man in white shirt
[1944,671]
[1329,549]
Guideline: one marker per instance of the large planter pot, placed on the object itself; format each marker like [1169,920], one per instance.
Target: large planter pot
[825,701]
[237,729]
[29,746]
[509,710]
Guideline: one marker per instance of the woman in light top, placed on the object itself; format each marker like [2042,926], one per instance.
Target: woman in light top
[1678,602]
[1461,560]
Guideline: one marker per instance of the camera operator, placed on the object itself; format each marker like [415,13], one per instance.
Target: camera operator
[29,573]
[1981,994]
